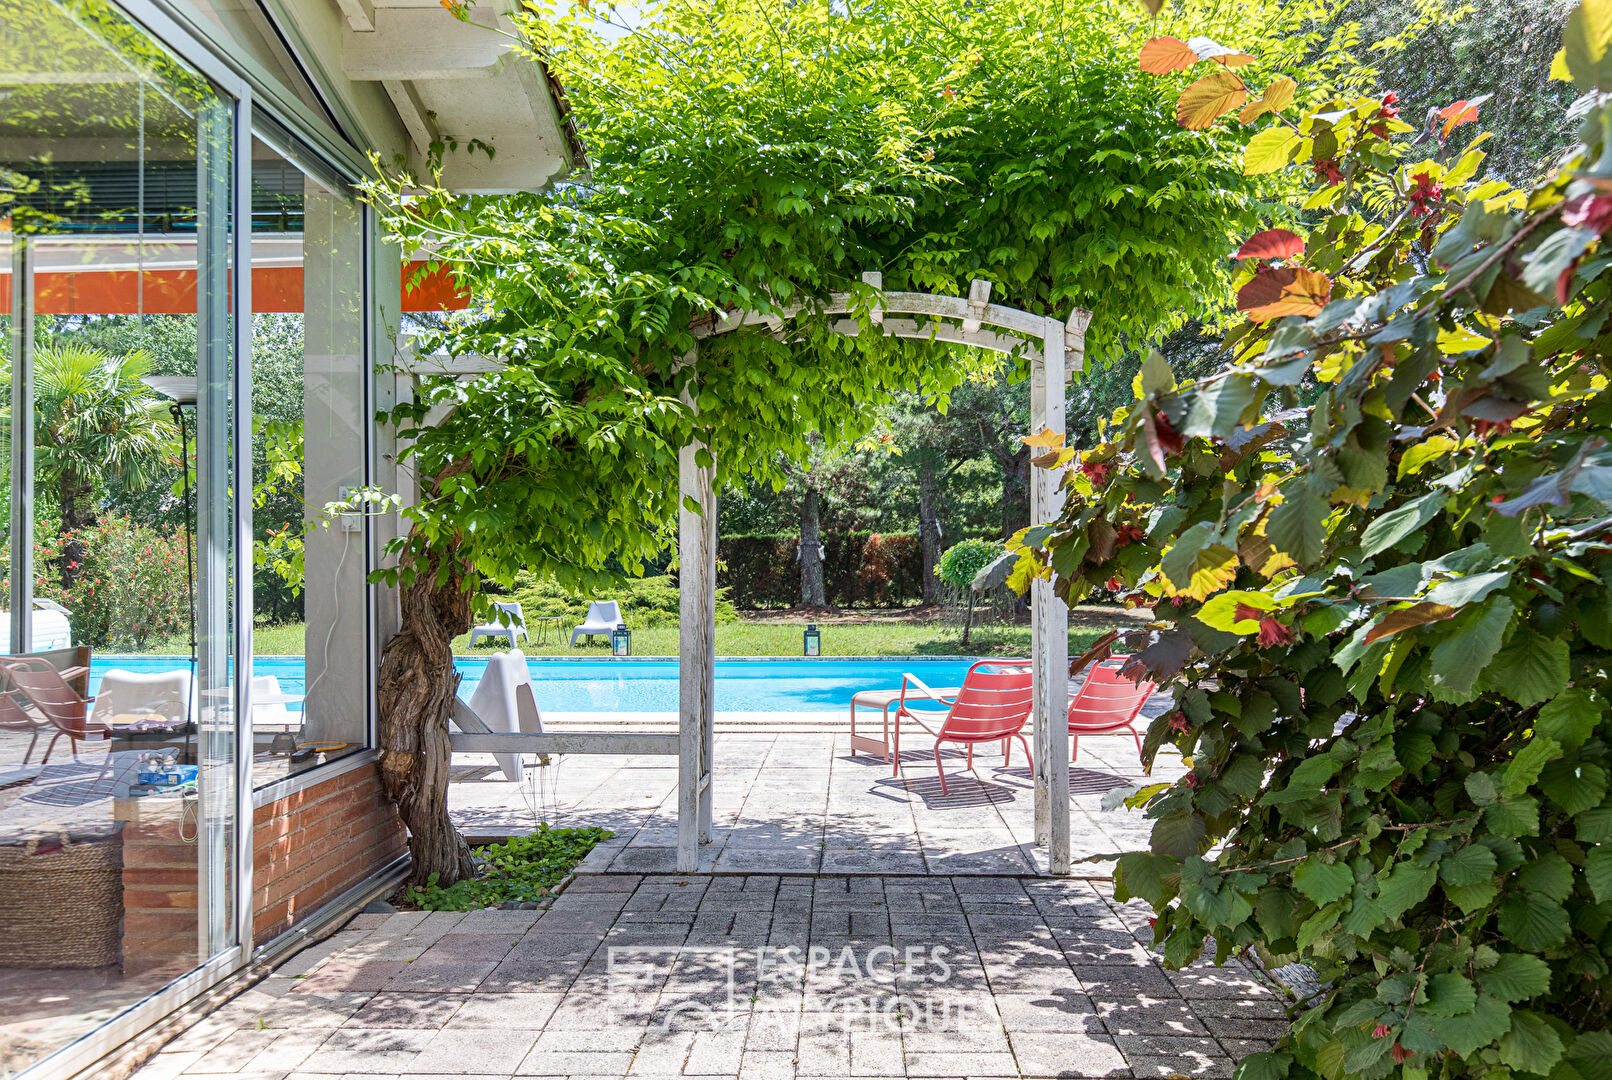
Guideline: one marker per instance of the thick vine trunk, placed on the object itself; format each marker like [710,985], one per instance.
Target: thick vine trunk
[811,550]
[418,684]
[929,525]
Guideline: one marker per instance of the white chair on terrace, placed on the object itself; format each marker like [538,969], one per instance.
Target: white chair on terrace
[603,617]
[134,697]
[502,701]
[513,629]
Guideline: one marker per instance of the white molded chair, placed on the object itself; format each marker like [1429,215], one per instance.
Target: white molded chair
[272,716]
[162,694]
[502,701]
[603,617]
[515,629]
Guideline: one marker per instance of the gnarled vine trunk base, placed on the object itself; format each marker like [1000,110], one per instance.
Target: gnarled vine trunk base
[416,692]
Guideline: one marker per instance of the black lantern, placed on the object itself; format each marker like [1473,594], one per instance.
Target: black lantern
[811,641]
[621,640]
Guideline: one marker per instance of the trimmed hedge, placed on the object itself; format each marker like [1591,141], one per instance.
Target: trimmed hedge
[858,568]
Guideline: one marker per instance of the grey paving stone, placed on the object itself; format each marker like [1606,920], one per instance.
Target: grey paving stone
[767,1065]
[1043,1053]
[483,1011]
[937,1065]
[1241,1048]
[428,976]
[1207,981]
[1150,1016]
[539,1063]
[401,1010]
[1069,1011]
[484,1051]
[1245,1027]
[715,1053]
[877,1052]
[984,1040]
[1114,982]
[1170,1065]
[824,1053]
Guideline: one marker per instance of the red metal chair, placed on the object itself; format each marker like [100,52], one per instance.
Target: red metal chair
[1107,702]
[62,706]
[14,718]
[992,706]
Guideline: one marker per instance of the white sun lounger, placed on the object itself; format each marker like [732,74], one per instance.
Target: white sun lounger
[502,702]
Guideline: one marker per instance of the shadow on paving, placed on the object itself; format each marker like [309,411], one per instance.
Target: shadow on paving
[745,976]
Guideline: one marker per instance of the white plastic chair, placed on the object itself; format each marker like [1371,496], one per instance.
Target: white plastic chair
[603,617]
[502,701]
[515,629]
[163,694]
[273,715]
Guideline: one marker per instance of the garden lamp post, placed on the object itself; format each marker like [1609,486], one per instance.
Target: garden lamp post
[621,640]
[183,390]
[811,641]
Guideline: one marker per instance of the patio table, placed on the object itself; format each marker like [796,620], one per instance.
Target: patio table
[885,746]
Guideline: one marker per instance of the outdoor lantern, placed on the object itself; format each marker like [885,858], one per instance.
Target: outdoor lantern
[621,641]
[812,641]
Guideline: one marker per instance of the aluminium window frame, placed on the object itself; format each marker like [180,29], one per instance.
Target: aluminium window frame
[249,92]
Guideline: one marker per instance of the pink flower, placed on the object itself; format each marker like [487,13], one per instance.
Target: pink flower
[1381,1031]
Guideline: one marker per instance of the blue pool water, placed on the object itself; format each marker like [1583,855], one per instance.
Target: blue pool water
[645,685]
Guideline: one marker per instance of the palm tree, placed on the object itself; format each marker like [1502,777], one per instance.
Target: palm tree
[96,427]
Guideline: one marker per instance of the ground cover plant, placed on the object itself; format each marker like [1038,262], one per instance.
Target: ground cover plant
[1378,544]
[523,869]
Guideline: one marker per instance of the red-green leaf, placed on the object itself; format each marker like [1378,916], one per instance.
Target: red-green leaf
[1271,244]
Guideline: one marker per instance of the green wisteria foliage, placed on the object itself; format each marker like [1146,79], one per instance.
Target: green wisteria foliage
[1378,547]
[753,154]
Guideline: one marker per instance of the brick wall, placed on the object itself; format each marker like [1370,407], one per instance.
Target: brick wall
[159,886]
[311,846]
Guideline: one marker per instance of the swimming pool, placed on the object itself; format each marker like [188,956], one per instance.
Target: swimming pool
[748,685]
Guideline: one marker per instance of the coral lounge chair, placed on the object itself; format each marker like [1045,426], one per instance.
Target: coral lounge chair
[603,617]
[1106,703]
[43,686]
[992,706]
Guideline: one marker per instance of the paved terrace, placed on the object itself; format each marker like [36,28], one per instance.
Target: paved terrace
[662,976]
[792,801]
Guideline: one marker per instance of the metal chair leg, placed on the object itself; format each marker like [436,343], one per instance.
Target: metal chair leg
[941,769]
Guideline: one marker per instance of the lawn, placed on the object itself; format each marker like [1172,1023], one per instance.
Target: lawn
[877,633]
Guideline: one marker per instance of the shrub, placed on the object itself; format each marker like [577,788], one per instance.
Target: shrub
[1385,616]
[647,601]
[523,868]
[131,591]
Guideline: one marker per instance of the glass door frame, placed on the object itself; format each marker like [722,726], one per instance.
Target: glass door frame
[246,91]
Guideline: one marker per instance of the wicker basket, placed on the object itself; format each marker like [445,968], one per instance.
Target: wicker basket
[61,906]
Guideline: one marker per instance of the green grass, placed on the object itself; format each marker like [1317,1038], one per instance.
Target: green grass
[881,635]
[754,638]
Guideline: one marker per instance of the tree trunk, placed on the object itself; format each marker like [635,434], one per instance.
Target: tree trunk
[811,551]
[929,525]
[417,687]
[968,618]
[1015,492]
[71,496]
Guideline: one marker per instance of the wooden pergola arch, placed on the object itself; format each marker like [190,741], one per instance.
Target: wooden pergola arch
[1055,349]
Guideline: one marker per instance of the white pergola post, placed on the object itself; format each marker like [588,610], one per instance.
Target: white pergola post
[696,670]
[1049,618]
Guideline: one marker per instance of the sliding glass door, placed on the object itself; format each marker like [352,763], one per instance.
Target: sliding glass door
[120,780]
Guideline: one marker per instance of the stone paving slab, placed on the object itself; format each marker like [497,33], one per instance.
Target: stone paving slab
[744,977]
[801,803]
